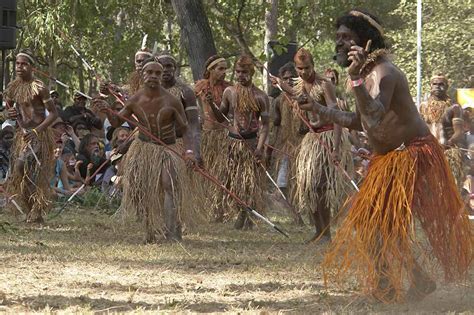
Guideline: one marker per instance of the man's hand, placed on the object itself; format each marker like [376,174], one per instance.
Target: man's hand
[101,105]
[30,136]
[336,156]
[209,98]
[12,113]
[274,80]
[258,154]
[305,102]
[358,56]
[190,159]
[104,88]
[69,130]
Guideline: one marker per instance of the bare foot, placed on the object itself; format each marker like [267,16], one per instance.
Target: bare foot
[385,292]
[419,289]
[37,220]
[317,239]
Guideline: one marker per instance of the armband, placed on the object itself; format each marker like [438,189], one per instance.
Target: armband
[358,82]
[191,108]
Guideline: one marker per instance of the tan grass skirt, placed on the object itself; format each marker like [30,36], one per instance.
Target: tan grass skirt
[32,183]
[316,173]
[214,146]
[245,177]
[145,164]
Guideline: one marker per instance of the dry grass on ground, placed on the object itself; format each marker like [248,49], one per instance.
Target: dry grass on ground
[86,261]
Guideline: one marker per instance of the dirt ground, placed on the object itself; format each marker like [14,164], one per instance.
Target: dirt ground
[87,261]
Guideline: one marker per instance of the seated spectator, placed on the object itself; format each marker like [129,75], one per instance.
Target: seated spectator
[57,102]
[65,133]
[6,140]
[117,138]
[80,129]
[79,112]
[66,173]
[111,181]
[89,154]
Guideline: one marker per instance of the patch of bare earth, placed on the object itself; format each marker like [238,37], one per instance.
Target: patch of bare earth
[87,261]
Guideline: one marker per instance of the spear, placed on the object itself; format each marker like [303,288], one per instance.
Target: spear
[198,169]
[29,143]
[60,83]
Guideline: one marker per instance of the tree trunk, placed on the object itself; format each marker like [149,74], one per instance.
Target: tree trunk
[271,29]
[196,32]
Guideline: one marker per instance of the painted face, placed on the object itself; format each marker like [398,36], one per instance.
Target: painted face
[139,58]
[23,67]
[439,87]
[219,71]
[243,75]
[169,69]
[344,36]
[286,77]
[152,75]
[305,69]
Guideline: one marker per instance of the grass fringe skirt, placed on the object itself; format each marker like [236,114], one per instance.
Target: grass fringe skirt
[315,170]
[377,238]
[32,184]
[245,177]
[214,144]
[144,193]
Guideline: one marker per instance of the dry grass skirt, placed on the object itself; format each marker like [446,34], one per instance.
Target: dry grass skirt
[245,177]
[214,145]
[32,183]
[316,173]
[144,194]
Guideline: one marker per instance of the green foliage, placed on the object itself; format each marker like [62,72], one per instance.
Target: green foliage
[446,41]
[108,33]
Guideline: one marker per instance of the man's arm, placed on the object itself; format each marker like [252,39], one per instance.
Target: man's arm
[221,112]
[49,105]
[371,109]
[458,125]
[192,115]
[331,102]
[345,119]
[277,105]
[265,119]
[181,123]
[114,120]
[95,121]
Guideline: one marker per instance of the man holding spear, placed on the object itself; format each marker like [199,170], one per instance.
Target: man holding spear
[27,101]
[153,178]
[246,107]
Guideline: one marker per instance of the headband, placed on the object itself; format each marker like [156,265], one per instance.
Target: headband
[143,52]
[439,77]
[152,62]
[215,62]
[26,56]
[167,56]
[368,19]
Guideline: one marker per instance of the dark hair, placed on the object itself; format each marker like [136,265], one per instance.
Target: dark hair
[208,62]
[85,142]
[287,67]
[363,29]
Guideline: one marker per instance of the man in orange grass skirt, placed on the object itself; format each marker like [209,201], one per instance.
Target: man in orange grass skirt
[408,178]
